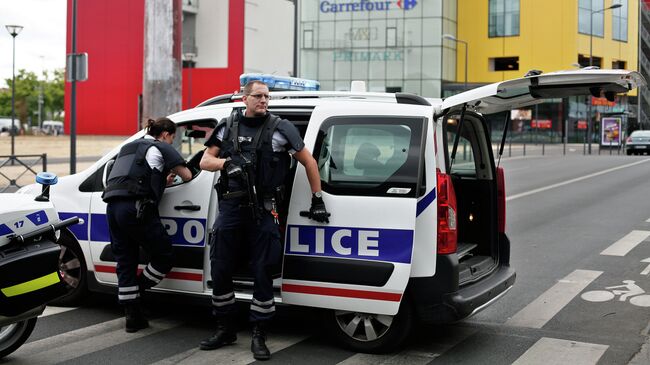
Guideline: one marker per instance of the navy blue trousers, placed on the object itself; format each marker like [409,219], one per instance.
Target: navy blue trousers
[236,227]
[128,234]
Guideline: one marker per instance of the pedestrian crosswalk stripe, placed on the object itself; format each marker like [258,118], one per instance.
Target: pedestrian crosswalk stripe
[59,348]
[547,305]
[404,357]
[626,244]
[415,354]
[238,353]
[50,311]
[556,351]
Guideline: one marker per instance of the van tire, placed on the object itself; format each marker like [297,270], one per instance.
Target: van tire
[72,267]
[390,331]
[14,335]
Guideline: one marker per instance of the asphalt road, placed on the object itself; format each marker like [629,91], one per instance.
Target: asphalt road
[577,224]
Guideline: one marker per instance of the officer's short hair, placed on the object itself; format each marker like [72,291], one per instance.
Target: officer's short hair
[248,88]
[156,127]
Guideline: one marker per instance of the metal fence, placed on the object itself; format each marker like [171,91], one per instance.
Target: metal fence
[14,170]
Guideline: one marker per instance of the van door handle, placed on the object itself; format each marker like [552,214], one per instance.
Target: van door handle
[193,208]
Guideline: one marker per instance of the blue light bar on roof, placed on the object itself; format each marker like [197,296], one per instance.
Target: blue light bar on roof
[280,83]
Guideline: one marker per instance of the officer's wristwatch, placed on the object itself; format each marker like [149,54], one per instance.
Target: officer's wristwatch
[317,195]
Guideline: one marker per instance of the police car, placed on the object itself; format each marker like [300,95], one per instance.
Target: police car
[417,231]
[30,261]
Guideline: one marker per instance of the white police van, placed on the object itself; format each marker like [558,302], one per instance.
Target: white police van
[417,230]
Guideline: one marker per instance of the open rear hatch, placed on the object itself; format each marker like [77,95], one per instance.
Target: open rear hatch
[476,180]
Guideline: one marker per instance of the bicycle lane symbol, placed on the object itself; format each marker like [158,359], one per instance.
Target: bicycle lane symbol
[629,289]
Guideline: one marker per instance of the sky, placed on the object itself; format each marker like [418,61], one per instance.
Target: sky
[41,44]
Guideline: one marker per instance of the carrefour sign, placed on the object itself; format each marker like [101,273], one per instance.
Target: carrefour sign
[365,5]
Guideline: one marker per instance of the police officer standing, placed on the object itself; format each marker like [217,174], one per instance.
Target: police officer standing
[253,152]
[135,186]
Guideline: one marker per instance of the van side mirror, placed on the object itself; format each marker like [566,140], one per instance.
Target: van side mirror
[107,171]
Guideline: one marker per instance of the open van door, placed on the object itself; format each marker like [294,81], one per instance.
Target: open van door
[517,93]
[370,158]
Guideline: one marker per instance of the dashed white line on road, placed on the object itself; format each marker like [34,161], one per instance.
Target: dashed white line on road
[547,305]
[556,351]
[626,244]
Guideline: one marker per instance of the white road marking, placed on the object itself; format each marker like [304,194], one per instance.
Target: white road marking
[547,305]
[238,353]
[70,345]
[414,355]
[589,176]
[556,351]
[49,311]
[626,244]
[648,220]
[646,271]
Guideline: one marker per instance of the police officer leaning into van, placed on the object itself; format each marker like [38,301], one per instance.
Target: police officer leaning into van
[252,149]
[135,186]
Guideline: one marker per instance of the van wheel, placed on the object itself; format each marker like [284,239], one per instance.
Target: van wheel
[72,268]
[14,335]
[371,333]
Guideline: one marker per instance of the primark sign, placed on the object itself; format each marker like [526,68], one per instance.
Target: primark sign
[344,6]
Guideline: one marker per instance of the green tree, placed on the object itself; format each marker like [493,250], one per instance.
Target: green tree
[28,88]
[53,95]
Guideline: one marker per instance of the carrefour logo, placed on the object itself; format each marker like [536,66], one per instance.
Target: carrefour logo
[365,5]
[407,4]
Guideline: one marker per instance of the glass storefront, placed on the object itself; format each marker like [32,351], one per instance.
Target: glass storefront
[394,46]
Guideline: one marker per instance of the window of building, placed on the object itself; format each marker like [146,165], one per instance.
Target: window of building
[619,21]
[391,37]
[585,13]
[583,60]
[504,64]
[308,39]
[619,65]
[503,18]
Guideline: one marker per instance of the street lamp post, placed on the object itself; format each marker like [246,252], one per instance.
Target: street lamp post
[454,39]
[14,30]
[591,60]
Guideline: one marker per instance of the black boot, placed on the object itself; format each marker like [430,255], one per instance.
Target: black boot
[225,335]
[258,343]
[135,320]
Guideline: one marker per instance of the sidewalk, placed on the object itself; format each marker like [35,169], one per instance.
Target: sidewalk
[57,148]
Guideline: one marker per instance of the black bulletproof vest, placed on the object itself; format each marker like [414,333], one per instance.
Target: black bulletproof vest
[253,145]
[131,176]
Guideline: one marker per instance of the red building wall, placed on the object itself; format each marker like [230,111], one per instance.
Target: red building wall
[111,32]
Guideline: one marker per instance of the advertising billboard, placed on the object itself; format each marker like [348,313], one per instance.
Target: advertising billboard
[610,129]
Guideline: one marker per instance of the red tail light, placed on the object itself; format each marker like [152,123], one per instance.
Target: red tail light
[447,230]
[501,200]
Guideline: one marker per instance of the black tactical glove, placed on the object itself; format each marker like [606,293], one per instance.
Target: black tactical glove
[317,211]
[232,169]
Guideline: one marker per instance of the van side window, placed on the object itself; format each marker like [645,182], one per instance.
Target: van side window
[464,163]
[473,156]
[369,156]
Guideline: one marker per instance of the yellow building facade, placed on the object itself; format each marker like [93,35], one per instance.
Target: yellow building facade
[507,38]
[549,39]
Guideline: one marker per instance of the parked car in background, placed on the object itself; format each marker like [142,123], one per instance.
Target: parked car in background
[638,143]
[5,124]
[52,127]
